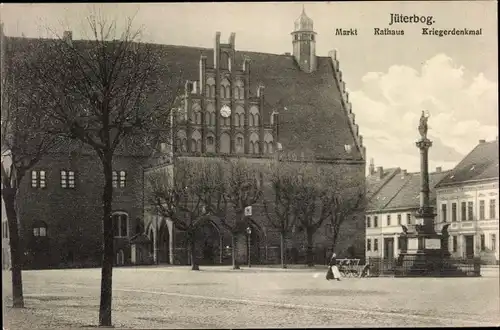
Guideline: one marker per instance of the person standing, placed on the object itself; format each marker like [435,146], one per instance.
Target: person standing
[333,271]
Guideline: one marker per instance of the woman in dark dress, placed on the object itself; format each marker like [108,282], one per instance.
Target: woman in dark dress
[333,271]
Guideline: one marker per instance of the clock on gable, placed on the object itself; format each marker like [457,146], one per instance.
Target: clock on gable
[225,111]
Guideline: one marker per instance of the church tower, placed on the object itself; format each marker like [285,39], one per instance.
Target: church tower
[304,43]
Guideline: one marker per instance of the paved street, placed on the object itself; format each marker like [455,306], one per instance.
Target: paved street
[217,297]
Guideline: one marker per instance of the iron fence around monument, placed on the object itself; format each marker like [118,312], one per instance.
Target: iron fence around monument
[448,267]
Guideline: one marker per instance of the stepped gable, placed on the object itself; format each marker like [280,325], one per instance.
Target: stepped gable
[480,164]
[318,119]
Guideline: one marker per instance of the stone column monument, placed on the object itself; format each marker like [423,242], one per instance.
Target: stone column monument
[423,255]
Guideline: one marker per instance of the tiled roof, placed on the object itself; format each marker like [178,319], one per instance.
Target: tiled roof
[403,192]
[315,121]
[480,164]
[374,183]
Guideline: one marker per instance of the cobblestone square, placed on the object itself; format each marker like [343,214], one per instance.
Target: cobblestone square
[217,297]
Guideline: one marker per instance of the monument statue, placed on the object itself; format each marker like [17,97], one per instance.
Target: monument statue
[422,127]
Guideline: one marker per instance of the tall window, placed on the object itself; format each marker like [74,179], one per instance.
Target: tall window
[67,179]
[375,244]
[444,212]
[368,245]
[368,223]
[210,140]
[463,211]
[239,141]
[493,239]
[40,230]
[408,218]
[38,179]
[455,243]
[470,211]
[399,219]
[482,207]
[453,212]
[483,242]
[119,179]
[375,221]
[120,224]
[388,220]
[493,208]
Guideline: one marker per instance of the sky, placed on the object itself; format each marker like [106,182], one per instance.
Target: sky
[390,79]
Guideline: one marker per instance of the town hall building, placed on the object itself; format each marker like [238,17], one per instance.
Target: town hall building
[244,104]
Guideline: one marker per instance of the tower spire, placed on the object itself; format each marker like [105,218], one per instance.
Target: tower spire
[304,43]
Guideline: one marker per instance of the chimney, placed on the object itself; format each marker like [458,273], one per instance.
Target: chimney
[371,168]
[439,169]
[380,172]
[68,37]
[482,141]
[232,37]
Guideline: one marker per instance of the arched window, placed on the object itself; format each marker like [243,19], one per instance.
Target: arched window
[236,120]
[184,145]
[270,148]
[236,93]
[193,145]
[265,147]
[40,229]
[256,147]
[250,149]
[212,119]
[120,224]
[256,120]
[242,119]
[225,91]
[227,121]
[210,89]
[210,143]
[250,120]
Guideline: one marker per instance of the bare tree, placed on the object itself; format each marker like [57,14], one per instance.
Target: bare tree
[25,139]
[101,92]
[281,216]
[343,208]
[239,187]
[182,195]
[314,192]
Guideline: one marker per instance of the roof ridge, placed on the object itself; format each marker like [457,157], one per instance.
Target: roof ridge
[385,183]
[397,192]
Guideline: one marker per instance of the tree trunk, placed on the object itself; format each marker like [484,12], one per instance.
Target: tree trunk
[283,253]
[9,197]
[108,240]
[310,252]
[192,251]
[233,251]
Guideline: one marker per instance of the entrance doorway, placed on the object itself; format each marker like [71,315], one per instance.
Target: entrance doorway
[469,246]
[389,248]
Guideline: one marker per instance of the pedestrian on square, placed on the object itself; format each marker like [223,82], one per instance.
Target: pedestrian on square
[333,271]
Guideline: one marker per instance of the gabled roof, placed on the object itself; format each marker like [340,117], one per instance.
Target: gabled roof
[374,182]
[480,164]
[315,121]
[403,192]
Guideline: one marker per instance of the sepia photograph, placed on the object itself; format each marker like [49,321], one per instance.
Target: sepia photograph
[234,165]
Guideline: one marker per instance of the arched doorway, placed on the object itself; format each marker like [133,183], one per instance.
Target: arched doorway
[120,258]
[208,244]
[164,244]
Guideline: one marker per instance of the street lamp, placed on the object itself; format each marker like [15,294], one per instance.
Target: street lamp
[249,232]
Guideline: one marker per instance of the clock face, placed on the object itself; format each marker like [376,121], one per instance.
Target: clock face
[225,111]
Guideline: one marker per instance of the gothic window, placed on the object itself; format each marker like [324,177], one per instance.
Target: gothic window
[193,145]
[212,119]
[184,145]
[250,120]
[236,120]
[270,148]
[256,147]
[256,120]
[250,149]
[225,91]
[210,143]
[265,147]
[242,119]
[227,121]
[239,92]
[236,93]
[210,89]
[120,224]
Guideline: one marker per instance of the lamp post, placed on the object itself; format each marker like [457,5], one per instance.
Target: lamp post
[249,232]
